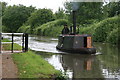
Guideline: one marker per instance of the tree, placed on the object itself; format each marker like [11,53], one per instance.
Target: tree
[15,16]
[113,8]
[87,12]
[40,17]
[3,6]
[60,14]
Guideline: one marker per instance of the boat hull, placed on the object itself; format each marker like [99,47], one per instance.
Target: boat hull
[79,51]
[76,44]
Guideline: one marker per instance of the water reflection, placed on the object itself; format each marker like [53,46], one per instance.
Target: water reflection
[82,66]
[109,60]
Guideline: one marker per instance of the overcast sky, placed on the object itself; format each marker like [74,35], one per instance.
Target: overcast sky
[51,4]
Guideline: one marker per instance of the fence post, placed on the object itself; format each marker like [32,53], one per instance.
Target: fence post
[23,42]
[26,42]
[12,43]
[0,41]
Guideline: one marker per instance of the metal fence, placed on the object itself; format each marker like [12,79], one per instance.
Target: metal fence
[23,40]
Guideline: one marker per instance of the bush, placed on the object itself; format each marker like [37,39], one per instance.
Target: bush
[104,31]
[24,29]
[15,16]
[113,37]
[40,17]
[106,26]
[52,28]
[4,29]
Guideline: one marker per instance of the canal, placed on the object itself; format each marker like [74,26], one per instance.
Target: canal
[104,64]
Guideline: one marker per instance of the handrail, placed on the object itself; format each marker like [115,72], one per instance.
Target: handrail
[24,40]
[13,33]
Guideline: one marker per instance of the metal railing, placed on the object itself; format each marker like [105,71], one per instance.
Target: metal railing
[24,41]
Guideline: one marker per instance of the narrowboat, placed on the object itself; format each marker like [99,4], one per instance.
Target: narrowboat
[76,43]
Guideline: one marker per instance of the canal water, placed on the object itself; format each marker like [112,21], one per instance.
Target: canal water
[104,64]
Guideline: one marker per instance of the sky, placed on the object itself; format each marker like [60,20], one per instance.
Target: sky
[50,4]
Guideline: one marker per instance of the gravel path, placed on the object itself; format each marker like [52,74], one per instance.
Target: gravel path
[9,69]
[0,66]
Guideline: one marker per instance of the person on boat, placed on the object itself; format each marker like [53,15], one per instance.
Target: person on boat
[65,30]
[77,32]
[71,30]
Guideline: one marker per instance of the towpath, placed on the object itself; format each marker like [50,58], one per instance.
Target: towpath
[7,67]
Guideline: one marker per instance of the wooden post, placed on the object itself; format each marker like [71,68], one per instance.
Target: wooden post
[12,43]
[26,42]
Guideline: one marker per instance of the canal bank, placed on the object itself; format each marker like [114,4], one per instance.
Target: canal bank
[26,65]
[31,65]
[104,64]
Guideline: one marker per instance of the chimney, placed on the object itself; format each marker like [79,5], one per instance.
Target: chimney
[74,22]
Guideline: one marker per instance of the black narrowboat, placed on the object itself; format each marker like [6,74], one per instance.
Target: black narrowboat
[75,43]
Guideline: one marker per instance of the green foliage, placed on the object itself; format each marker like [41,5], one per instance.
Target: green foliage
[113,37]
[62,76]
[15,16]
[24,29]
[60,14]
[104,31]
[52,28]
[40,17]
[86,13]
[105,27]
[2,6]
[31,65]
[113,8]
[4,28]
[88,29]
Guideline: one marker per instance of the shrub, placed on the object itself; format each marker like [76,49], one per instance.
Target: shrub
[105,27]
[24,29]
[4,29]
[52,28]
[113,37]
[103,31]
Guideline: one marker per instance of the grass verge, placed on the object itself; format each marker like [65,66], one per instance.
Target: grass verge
[8,46]
[5,40]
[31,65]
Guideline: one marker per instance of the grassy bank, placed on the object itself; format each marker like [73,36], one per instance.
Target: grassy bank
[31,65]
[5,40]
[8,46]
